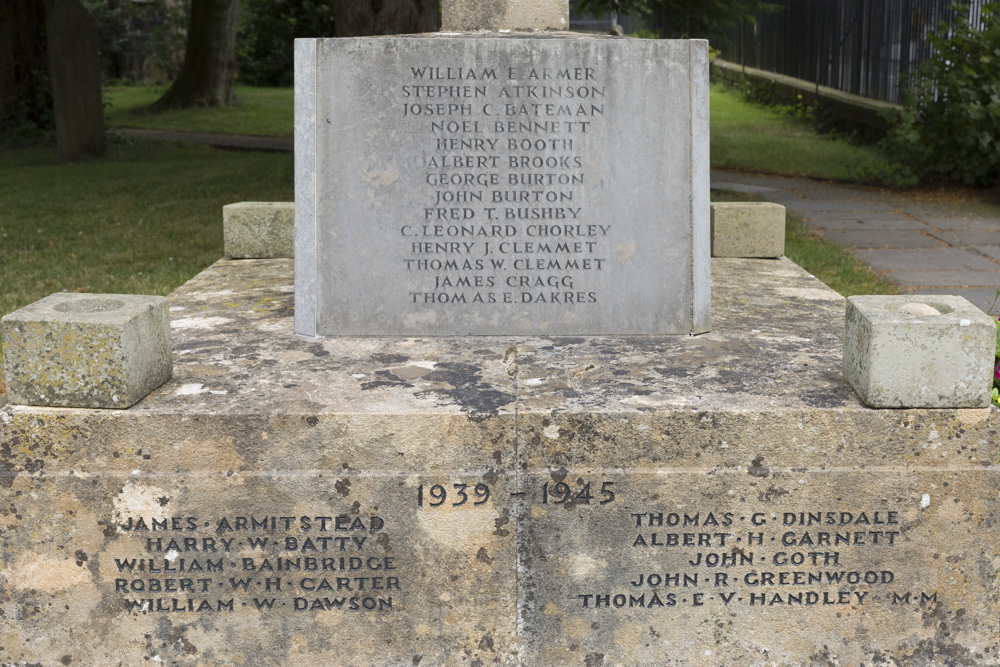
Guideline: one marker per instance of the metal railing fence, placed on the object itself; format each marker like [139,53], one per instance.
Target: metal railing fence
[865,47]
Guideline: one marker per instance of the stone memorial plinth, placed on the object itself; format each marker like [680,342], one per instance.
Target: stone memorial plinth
[259,230]
[476,184]
[523,500]
[748,229]
[917,351]
[86,350]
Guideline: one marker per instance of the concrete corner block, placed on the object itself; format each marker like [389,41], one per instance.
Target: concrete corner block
[915,351]
[259,230]
[87,350]
[748,229]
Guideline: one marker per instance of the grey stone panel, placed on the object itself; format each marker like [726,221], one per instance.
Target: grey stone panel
[305,188]
[485,210]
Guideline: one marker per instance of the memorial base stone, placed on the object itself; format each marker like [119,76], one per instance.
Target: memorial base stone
[708,500]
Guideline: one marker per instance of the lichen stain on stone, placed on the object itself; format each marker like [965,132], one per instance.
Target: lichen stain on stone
[557,655]
[456,528]
[138,500]
[575,627]
[385,379]
[771,494]
[474,397]
[551,609]
[500,522]
[834,398]
[757,468]
[628,636]
[44,573]
[582,566]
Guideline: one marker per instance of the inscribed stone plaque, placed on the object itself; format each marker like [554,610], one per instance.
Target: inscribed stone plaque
[501,185]
[839,567]
[253,569]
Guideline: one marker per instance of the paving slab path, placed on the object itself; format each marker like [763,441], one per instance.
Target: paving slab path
[925,247]
[239,142]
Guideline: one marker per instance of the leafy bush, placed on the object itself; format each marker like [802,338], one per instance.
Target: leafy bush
[950,123]
[264,43]
[140,40]
[164,26]
[111,25]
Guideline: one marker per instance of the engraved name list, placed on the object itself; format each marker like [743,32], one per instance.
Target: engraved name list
[504,219]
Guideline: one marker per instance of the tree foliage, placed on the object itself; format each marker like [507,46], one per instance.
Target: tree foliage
[25,92]
[111,23]
[685,18]
[949,126]
[265,51]
[139,39]
[50,76]
[386,17]
[268,28]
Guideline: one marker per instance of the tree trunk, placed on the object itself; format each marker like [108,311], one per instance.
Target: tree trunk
[354,18]
[24,92]
[75,73]
[206,78]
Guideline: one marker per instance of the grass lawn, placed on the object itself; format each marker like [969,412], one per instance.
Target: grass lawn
[259,111]
[142,221]
[747,137]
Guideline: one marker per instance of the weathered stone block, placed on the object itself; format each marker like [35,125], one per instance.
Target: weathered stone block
[918,351]
[470,15]
[259,230]
[748,229]
[86,350]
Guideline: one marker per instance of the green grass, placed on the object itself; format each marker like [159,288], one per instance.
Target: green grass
[826,260]
[749,137]
[258,111]
[142,221]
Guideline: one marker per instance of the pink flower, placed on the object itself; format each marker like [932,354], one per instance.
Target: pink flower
[996,373]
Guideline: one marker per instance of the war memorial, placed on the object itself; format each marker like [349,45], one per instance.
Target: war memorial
[518,399]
